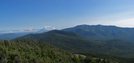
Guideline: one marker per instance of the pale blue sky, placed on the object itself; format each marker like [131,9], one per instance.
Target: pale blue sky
[24,14]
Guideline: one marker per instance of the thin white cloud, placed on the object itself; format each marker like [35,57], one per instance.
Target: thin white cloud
[18,31]
[46,27]
[30,30]
[49,28]
[53,28]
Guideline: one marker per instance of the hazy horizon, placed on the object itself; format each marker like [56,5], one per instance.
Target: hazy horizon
[48,28]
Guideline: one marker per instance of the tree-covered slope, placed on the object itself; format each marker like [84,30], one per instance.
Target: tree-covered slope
[103,32]
[109,47]
[76,43]
[28,52]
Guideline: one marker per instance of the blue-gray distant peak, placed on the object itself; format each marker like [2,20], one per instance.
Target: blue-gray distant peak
[103,32]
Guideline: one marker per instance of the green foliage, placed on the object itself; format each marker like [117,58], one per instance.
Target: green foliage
[34,52]
[6,42]
[75,43]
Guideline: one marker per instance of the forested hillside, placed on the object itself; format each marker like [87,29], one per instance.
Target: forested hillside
[76,43]
[26,52]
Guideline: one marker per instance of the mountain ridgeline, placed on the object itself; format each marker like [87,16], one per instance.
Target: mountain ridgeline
[76,43]
[53,32]
[103,32]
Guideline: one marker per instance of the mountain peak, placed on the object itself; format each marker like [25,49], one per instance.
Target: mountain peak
[99,25]
[103,32]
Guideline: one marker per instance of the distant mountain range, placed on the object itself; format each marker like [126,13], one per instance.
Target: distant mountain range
[10,36]
[103,32]
[18,33]
[31,30]
[76,43]
[91,31]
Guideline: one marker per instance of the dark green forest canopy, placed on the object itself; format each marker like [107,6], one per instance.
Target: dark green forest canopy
[33,52]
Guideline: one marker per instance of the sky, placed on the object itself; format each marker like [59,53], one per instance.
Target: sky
[37,14]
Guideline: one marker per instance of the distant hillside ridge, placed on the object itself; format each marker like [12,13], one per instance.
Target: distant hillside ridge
[74,42]
[103,32]
[52,32]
